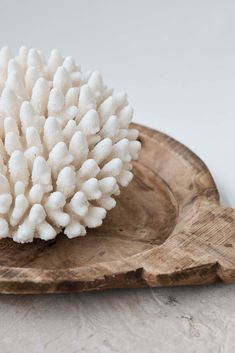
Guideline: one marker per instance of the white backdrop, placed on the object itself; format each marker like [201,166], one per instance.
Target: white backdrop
[176,60]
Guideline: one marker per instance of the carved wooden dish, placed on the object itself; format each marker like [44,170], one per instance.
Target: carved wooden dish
[168,229]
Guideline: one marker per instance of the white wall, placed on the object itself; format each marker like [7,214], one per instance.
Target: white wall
[175,58]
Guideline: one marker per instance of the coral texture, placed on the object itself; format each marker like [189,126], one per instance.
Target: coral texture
[65,146]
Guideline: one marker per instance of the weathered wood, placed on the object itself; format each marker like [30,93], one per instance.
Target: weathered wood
[168,229]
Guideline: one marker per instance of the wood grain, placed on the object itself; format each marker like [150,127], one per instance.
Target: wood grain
[168,229]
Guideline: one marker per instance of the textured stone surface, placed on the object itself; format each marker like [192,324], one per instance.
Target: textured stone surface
[191,320]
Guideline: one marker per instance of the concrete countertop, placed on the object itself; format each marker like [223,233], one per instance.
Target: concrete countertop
[191,320]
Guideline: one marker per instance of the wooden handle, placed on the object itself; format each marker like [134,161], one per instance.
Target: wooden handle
[203,251]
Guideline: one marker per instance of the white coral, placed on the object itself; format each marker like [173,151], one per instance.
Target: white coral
[65,146]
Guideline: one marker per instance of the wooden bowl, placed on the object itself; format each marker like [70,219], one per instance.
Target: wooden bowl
[167,229]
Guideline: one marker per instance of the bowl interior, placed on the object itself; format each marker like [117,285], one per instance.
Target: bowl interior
[144,217]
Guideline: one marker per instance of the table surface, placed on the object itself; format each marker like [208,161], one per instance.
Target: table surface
[176,59]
